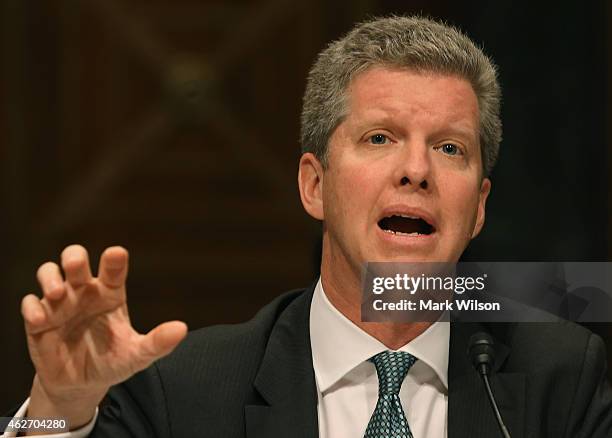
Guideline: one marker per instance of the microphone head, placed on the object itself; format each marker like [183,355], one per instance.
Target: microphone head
[482,351]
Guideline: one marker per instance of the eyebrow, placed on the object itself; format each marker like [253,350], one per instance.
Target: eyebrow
[452,129]
[456,129]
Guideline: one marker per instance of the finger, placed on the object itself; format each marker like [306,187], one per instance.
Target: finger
[51,281]
[161,340]
[33,312]
[75,263]
[113,267]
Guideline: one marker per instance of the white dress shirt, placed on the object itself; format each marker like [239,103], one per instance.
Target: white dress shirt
[79,433]
[347,384]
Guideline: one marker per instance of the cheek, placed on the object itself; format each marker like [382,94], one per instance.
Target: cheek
[349,195]
[459,198]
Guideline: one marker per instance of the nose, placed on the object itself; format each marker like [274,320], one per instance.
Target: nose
[414,167]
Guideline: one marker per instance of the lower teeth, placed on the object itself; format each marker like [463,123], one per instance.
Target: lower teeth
[399,233]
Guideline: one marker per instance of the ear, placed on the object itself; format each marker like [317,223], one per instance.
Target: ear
[485,189]
[310,181]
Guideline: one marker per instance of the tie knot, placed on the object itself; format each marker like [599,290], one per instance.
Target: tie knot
[392,367]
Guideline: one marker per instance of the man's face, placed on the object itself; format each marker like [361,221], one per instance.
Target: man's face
[404,177]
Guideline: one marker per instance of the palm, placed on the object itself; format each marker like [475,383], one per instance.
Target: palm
[86,341]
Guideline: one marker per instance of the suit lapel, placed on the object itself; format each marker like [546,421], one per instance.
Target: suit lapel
[469,411]
[287,384]
[286,378]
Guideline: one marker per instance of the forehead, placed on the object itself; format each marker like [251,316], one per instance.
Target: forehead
[413,97]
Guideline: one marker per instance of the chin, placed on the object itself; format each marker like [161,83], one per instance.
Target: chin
[405,257]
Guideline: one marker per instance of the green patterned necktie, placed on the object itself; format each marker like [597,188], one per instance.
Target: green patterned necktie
[388,419]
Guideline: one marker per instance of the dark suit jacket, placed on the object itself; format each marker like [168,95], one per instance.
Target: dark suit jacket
[256,380]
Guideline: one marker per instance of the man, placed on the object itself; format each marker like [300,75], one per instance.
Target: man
[400,130]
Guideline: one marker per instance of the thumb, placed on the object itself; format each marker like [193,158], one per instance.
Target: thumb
[162,340]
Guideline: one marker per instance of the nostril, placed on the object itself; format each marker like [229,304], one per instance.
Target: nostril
[405,180]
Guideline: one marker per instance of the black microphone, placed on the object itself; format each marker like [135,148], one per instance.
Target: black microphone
[482,354]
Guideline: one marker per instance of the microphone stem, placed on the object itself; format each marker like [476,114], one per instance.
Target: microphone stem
[500,421]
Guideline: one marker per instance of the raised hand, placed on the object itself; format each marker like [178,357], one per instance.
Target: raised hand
[80,338]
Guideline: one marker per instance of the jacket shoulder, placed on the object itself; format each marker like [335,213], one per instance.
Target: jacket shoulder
[561,345]
[227,344]
[565,365]
[200,389]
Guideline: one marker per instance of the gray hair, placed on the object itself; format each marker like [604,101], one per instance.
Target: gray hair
[416,43]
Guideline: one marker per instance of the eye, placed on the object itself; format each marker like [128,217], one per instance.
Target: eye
[379,139]
[450,149]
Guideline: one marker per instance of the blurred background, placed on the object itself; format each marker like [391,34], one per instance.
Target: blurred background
[171,127]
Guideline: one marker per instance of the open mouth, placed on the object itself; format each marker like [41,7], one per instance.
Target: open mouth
[406,225]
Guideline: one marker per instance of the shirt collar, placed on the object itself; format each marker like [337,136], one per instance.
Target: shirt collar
[338,345]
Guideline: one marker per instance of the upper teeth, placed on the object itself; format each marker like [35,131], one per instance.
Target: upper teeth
[409,217]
